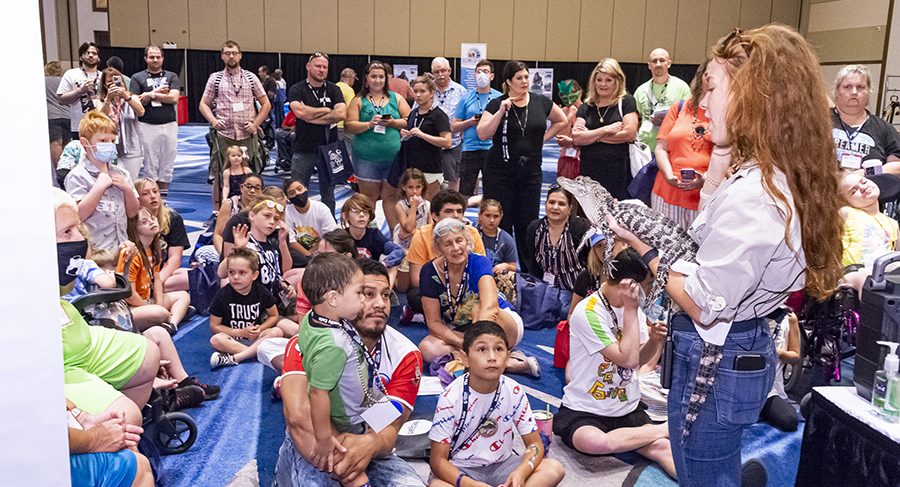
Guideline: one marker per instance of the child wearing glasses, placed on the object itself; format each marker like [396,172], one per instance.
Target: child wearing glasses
[357,214]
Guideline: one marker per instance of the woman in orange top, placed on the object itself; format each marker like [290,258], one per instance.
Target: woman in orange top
[150,306]
[683,149]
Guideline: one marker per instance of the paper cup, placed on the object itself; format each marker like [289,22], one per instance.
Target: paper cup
[544,420]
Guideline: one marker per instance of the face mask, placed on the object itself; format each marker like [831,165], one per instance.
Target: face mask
[69,256]
[300,199]
[105,151]
[482,80]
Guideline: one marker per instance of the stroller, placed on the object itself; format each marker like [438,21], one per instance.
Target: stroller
[171,431]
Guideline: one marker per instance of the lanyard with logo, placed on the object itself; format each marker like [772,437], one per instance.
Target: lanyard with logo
[322,98]
[487,427]
[662,94]
[452,301]
[374,362]
[478,101]
[237,89]
[846,128]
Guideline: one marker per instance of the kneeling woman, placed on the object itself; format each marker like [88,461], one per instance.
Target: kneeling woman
[458,289]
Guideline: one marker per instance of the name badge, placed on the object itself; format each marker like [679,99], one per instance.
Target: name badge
[237,106]
[106,206]
[158,104]
[378,129]
[380,415]
[571,152]
[332,126]
[872,167]
[550,278]
[851,161]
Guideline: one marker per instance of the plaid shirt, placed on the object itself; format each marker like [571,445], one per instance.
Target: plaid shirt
[232,90]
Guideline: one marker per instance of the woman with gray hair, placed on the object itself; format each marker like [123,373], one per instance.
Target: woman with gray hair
[861,141]
[458,289]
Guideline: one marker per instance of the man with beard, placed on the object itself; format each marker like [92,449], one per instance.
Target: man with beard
[396,383]
[318,105]
[656,96]
[228,104]
[159,91]
[78,87]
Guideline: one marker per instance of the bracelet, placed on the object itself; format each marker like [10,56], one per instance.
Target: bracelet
[713,182]
[649,256]
[459,479]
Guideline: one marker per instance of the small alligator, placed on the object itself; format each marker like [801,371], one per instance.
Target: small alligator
[650,226]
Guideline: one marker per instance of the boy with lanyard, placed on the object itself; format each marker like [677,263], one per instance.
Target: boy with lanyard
[601,411]
[472,433]
[333,354]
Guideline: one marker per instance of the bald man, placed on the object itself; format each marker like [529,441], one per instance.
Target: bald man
[656,96]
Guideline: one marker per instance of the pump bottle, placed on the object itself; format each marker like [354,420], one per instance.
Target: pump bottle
[886,386]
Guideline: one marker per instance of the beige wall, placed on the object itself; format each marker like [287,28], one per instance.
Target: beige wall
[531,30]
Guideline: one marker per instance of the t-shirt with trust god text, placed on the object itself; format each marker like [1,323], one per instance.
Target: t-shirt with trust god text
[241,311]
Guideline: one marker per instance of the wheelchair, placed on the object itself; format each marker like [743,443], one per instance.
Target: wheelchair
[172,432]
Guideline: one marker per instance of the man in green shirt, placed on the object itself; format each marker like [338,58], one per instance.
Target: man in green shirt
[656,96]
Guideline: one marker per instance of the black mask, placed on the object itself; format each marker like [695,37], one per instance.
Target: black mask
[65,252]
[300,199]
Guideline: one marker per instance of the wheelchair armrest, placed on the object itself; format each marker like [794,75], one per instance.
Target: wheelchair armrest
[877,281]
[104,295]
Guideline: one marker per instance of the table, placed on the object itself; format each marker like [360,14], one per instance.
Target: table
[845,443]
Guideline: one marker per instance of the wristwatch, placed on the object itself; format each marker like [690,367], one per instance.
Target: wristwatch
[76,411]
[152,95]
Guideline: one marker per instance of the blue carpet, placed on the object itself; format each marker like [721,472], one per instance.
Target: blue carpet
[246,424]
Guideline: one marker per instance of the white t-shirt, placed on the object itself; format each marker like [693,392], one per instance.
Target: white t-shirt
[512,412]
[75,78]
[306,227]
[599,386]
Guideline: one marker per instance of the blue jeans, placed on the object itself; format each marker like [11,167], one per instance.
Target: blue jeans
[302,166]
[711,454]
[292,470]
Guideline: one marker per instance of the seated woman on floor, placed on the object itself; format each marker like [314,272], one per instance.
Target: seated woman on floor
[551,248]
[250,188]
[458,289]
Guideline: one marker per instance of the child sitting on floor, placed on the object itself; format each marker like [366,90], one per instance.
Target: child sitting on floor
[236,314]
[868,233]
[472,433]
[334,356]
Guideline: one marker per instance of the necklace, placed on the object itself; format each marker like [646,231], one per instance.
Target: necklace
[519,121]
[698,134]
[602,117]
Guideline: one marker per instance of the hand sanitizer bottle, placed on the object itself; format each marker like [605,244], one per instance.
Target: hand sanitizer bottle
[886,387]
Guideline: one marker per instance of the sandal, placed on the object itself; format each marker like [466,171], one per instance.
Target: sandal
[169,327]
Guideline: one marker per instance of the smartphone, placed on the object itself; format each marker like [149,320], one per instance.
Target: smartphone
[752,361]
[688,174]
[117,80]
[477,116]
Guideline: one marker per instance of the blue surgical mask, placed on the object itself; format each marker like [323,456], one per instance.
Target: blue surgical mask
[105,151]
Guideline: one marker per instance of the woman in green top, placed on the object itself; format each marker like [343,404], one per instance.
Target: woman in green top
[376,116]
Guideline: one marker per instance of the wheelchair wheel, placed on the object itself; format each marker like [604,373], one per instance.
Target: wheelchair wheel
[174,433]
[792,373]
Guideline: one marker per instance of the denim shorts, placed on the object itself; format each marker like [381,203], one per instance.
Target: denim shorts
[372,171]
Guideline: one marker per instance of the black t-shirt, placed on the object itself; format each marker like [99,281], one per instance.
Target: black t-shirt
[269,85]
[372,244]
[238,310]
[310,136]
[875,139]
[533,118]
[177,236]
[240,218]
[601,151]
[422,155]
[144,81]
[585,284]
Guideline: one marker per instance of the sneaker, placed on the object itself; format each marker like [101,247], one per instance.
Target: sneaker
[276,388]
[210,391]
[189,313]
[219,359]
[407,315]
[753,474]
[169,327]
[185,397]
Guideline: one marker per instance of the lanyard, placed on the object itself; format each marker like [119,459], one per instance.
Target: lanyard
[608,308]
[497,244]
[850,136]
[237,90]
[442,95]
[513,108]
[152,277]
[478,101]
[374,362]
[418,117]
[319,97]
[661,95]
[378,108]
[486,427]
[460,291]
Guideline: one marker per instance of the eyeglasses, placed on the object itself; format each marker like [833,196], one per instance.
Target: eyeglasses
[270,204]
[357,211]
[483,70]
[252,187]
[317,54]
[231,53]
[446,228]
[736,36]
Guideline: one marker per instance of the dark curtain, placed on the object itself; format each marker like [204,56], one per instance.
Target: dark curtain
[200,64]
[133,58]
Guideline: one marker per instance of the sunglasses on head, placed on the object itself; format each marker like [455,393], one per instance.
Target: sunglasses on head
[446,228]
[317,54]
[270,204]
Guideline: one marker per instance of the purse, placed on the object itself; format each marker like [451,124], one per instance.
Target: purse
[203,283]
[399,166]
[561,345]
[638,152]
[537,302]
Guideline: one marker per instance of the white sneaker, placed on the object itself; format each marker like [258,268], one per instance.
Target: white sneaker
[219,359]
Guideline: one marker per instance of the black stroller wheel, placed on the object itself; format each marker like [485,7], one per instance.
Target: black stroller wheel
[174,433]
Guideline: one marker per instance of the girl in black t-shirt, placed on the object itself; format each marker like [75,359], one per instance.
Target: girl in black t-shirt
[604,126]
[517,122]
[426,134]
